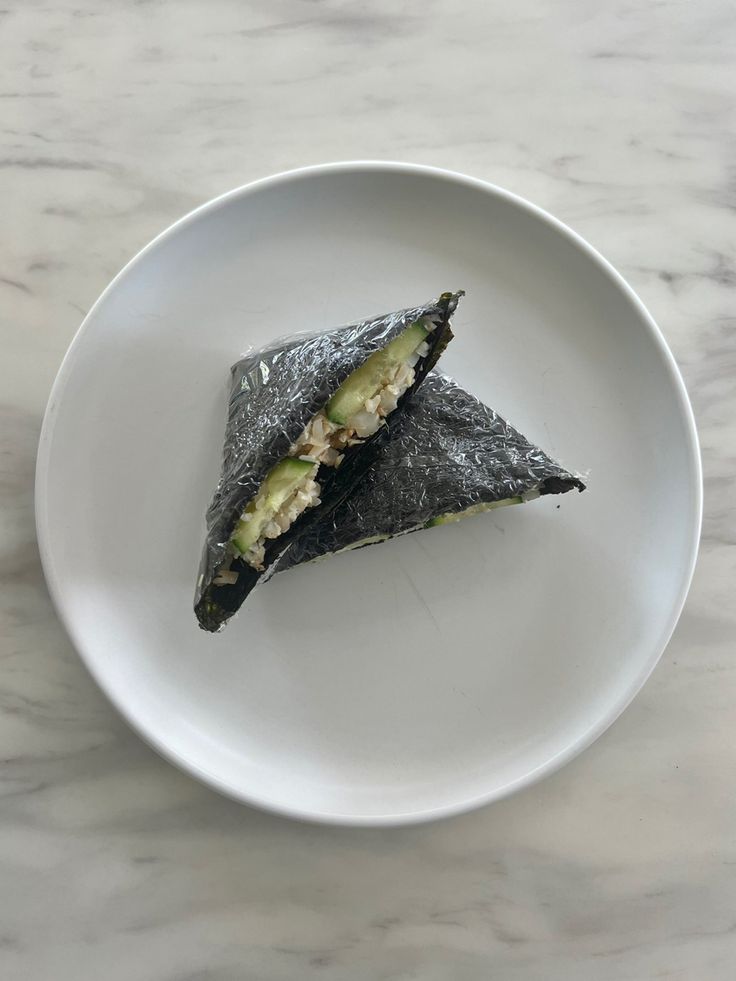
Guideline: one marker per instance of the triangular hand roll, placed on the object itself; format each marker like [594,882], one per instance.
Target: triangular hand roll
[448,456]
[306,417]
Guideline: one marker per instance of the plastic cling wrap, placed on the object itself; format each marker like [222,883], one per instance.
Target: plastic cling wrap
[447,453]
[275,392]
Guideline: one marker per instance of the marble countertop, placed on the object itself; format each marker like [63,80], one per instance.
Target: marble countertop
[118,118]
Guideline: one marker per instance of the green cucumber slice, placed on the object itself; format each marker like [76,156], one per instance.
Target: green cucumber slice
[448,519]
[373,374]
[279,485]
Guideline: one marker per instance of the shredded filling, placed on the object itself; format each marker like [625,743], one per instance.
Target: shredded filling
[323,442]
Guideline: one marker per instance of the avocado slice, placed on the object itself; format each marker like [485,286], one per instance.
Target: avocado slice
[279,485]
[447,519]
[373,374]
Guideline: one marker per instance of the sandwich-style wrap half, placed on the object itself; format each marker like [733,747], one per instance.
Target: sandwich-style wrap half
[306,416]
[448,456]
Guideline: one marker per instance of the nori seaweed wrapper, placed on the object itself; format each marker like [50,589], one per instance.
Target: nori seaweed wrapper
[447,452]
[274,393]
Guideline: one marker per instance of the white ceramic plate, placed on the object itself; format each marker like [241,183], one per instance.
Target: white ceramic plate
[430,674]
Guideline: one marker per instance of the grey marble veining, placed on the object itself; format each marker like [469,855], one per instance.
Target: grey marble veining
[117,118]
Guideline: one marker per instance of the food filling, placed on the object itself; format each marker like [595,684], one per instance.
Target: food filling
[356,411]
[444,519]
[450,518]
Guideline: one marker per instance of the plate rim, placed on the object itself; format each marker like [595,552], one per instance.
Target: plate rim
[424,814]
